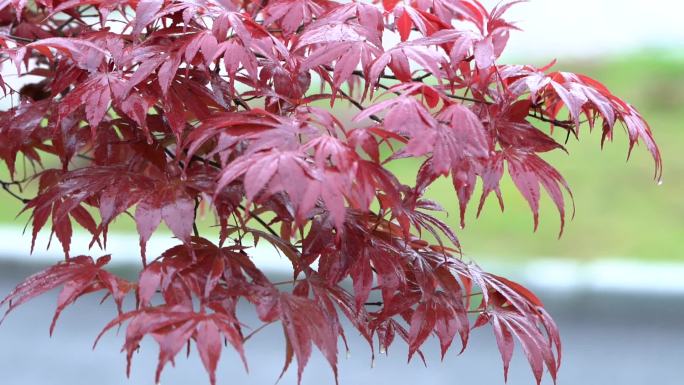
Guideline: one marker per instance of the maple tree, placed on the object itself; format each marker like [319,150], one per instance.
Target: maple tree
[156,109]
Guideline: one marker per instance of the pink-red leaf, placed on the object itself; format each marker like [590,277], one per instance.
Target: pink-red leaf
[77,276]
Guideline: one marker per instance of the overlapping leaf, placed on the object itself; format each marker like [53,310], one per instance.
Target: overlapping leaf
[173,327]
[78,276]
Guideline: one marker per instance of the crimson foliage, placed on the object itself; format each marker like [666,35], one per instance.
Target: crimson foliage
[164,107]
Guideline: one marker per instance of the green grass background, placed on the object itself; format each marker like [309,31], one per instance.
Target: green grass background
[621,211]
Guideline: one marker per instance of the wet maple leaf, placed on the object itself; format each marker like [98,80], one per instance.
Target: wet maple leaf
[78,276]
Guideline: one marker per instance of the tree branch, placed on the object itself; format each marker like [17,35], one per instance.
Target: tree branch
[61,27]
[565,124]
[6,186]
[358,105]
[261,221]
[195,230]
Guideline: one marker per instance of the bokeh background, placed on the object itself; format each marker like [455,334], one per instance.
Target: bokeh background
[614,280]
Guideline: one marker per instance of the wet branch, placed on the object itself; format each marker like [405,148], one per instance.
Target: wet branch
[6,186]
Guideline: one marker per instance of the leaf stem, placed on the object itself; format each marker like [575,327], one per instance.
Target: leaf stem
[258,219]
[358,105]
[255,331]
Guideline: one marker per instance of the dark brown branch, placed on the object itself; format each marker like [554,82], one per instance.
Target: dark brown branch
[195,230]
[261,221]
[241,102]
[240,206]
[18,38]
[566,124]
[73,17]
[418,79]
[358,105]
[6,186]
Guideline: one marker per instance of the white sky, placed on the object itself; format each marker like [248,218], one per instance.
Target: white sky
[562,28]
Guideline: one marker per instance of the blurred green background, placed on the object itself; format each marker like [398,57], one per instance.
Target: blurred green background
[621,211]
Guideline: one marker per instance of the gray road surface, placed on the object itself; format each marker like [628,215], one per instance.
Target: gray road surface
[608,339]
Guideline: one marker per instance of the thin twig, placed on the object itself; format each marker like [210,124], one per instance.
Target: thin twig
[568,125]
[261,221]
[73,17]
[195,230]
[239,101]
[85,157]
[358,105]
[6,186]
[255,331]
[18,38]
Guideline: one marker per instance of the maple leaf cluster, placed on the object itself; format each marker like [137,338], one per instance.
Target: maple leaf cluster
[155,109]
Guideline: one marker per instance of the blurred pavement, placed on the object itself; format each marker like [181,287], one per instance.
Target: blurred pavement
[609,338]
